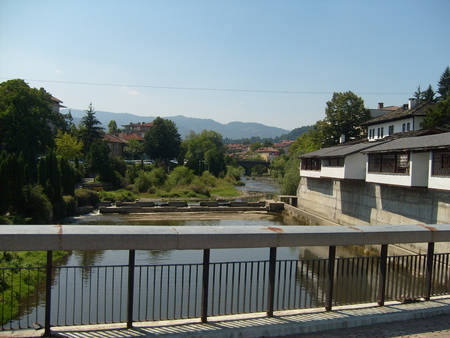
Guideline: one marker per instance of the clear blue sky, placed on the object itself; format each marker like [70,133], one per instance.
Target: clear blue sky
[143,50]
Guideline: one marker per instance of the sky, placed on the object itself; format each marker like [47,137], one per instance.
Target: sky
[275,62]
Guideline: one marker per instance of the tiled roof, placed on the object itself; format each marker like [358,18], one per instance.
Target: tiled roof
[420,110]
[112,138]
[127,137]
[265,150]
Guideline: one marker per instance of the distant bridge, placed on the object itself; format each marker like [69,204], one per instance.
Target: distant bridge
[249,165]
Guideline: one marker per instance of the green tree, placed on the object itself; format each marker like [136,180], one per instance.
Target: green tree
[25,118]
[345,113]
[255,146]
[444,84]
[428,94]
[204,151]
[438,116]
[112,127]
[268,144]
[97,160]
[89,131]
[162,141]
[68,146]
[418,95]
[134,149]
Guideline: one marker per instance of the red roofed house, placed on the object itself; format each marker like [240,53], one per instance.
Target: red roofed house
[137,128]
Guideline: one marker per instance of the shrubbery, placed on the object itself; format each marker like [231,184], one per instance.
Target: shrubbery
[121,195]
[86,197]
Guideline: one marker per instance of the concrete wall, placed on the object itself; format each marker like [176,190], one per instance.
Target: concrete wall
[362,203]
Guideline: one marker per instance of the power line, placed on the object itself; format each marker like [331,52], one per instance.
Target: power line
[201,88]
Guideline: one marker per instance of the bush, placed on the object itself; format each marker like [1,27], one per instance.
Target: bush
[37,205]
[121,195]
[86,197]
[143,182]
[234,173]
[180,176]
[71,205]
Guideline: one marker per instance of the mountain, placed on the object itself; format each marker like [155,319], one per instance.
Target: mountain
[232,130]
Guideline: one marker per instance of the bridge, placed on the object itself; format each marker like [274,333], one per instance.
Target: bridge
[249,165]
[209,289]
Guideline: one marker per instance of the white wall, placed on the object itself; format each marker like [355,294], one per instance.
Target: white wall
[418,164]
[398,127]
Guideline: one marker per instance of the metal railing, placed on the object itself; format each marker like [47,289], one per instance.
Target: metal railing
[79,295]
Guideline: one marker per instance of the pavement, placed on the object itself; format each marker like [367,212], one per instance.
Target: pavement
[419,319]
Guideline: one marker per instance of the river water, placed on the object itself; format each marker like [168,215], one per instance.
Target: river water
[97,258]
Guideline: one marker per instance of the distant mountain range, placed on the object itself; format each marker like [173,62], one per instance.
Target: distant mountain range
[232,130]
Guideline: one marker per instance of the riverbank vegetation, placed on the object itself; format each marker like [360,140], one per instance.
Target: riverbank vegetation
[21,274]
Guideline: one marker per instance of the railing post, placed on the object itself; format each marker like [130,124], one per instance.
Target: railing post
[331,263]
[429,280]
[383,275]
[271,286]
[48,294]
[205,285]
[130,300]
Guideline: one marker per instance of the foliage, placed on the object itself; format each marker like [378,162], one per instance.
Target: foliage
[444,85]
[204,151]
[25,118]
[180,176]
[134,149]
[278,166]
[146,180]
[49,177]
[259,170]
[120,195]
[345,113]
[291,178]
[89,131]
[68,146]
[438,116]
[112,127]
[162,140]
[86,197]
[70,205]
[97,160]
[36,205]
[235,173]
[255,146]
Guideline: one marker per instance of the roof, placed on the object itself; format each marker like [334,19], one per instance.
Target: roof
[265,150]
[127,137]
[419,110]
[112,138]
[418,143]
[341,150]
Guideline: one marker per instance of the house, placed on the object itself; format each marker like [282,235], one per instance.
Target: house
[283,145]
[381,110]
[137,128]
[56,105]
[404,119]
[267,153]
[117,142]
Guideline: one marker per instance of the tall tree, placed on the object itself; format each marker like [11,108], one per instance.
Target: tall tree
[428,94]
[344,115]
[25,117]
[112,127]
[90,131]
[438,116]
[162,140]
[68,146]
[134,148]
[444,84]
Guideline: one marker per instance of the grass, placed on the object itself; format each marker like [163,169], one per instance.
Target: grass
[21,274]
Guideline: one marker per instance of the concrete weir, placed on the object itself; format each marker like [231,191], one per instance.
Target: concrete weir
[143,207]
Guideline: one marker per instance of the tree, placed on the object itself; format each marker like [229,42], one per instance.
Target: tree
[25,118]
[428,94]
[418,95]
[134,148]
[437,116]
[68,146]
[112,127]
[97,160]
[162,140]
[89,131]
[444,84]
[255,146]
[345,114]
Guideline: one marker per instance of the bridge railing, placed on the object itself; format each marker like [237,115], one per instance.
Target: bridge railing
[129,293]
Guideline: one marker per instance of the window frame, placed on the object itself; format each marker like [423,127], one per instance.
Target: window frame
[389,163]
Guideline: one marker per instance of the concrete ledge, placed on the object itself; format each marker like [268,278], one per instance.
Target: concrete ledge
[87,237]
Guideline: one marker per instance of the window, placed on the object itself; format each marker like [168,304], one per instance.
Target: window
[403,127]
[391,130]
[382,132]
[310,164]
[378,132]
[334,162]
[393,163]
[441,163]
[408,126]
